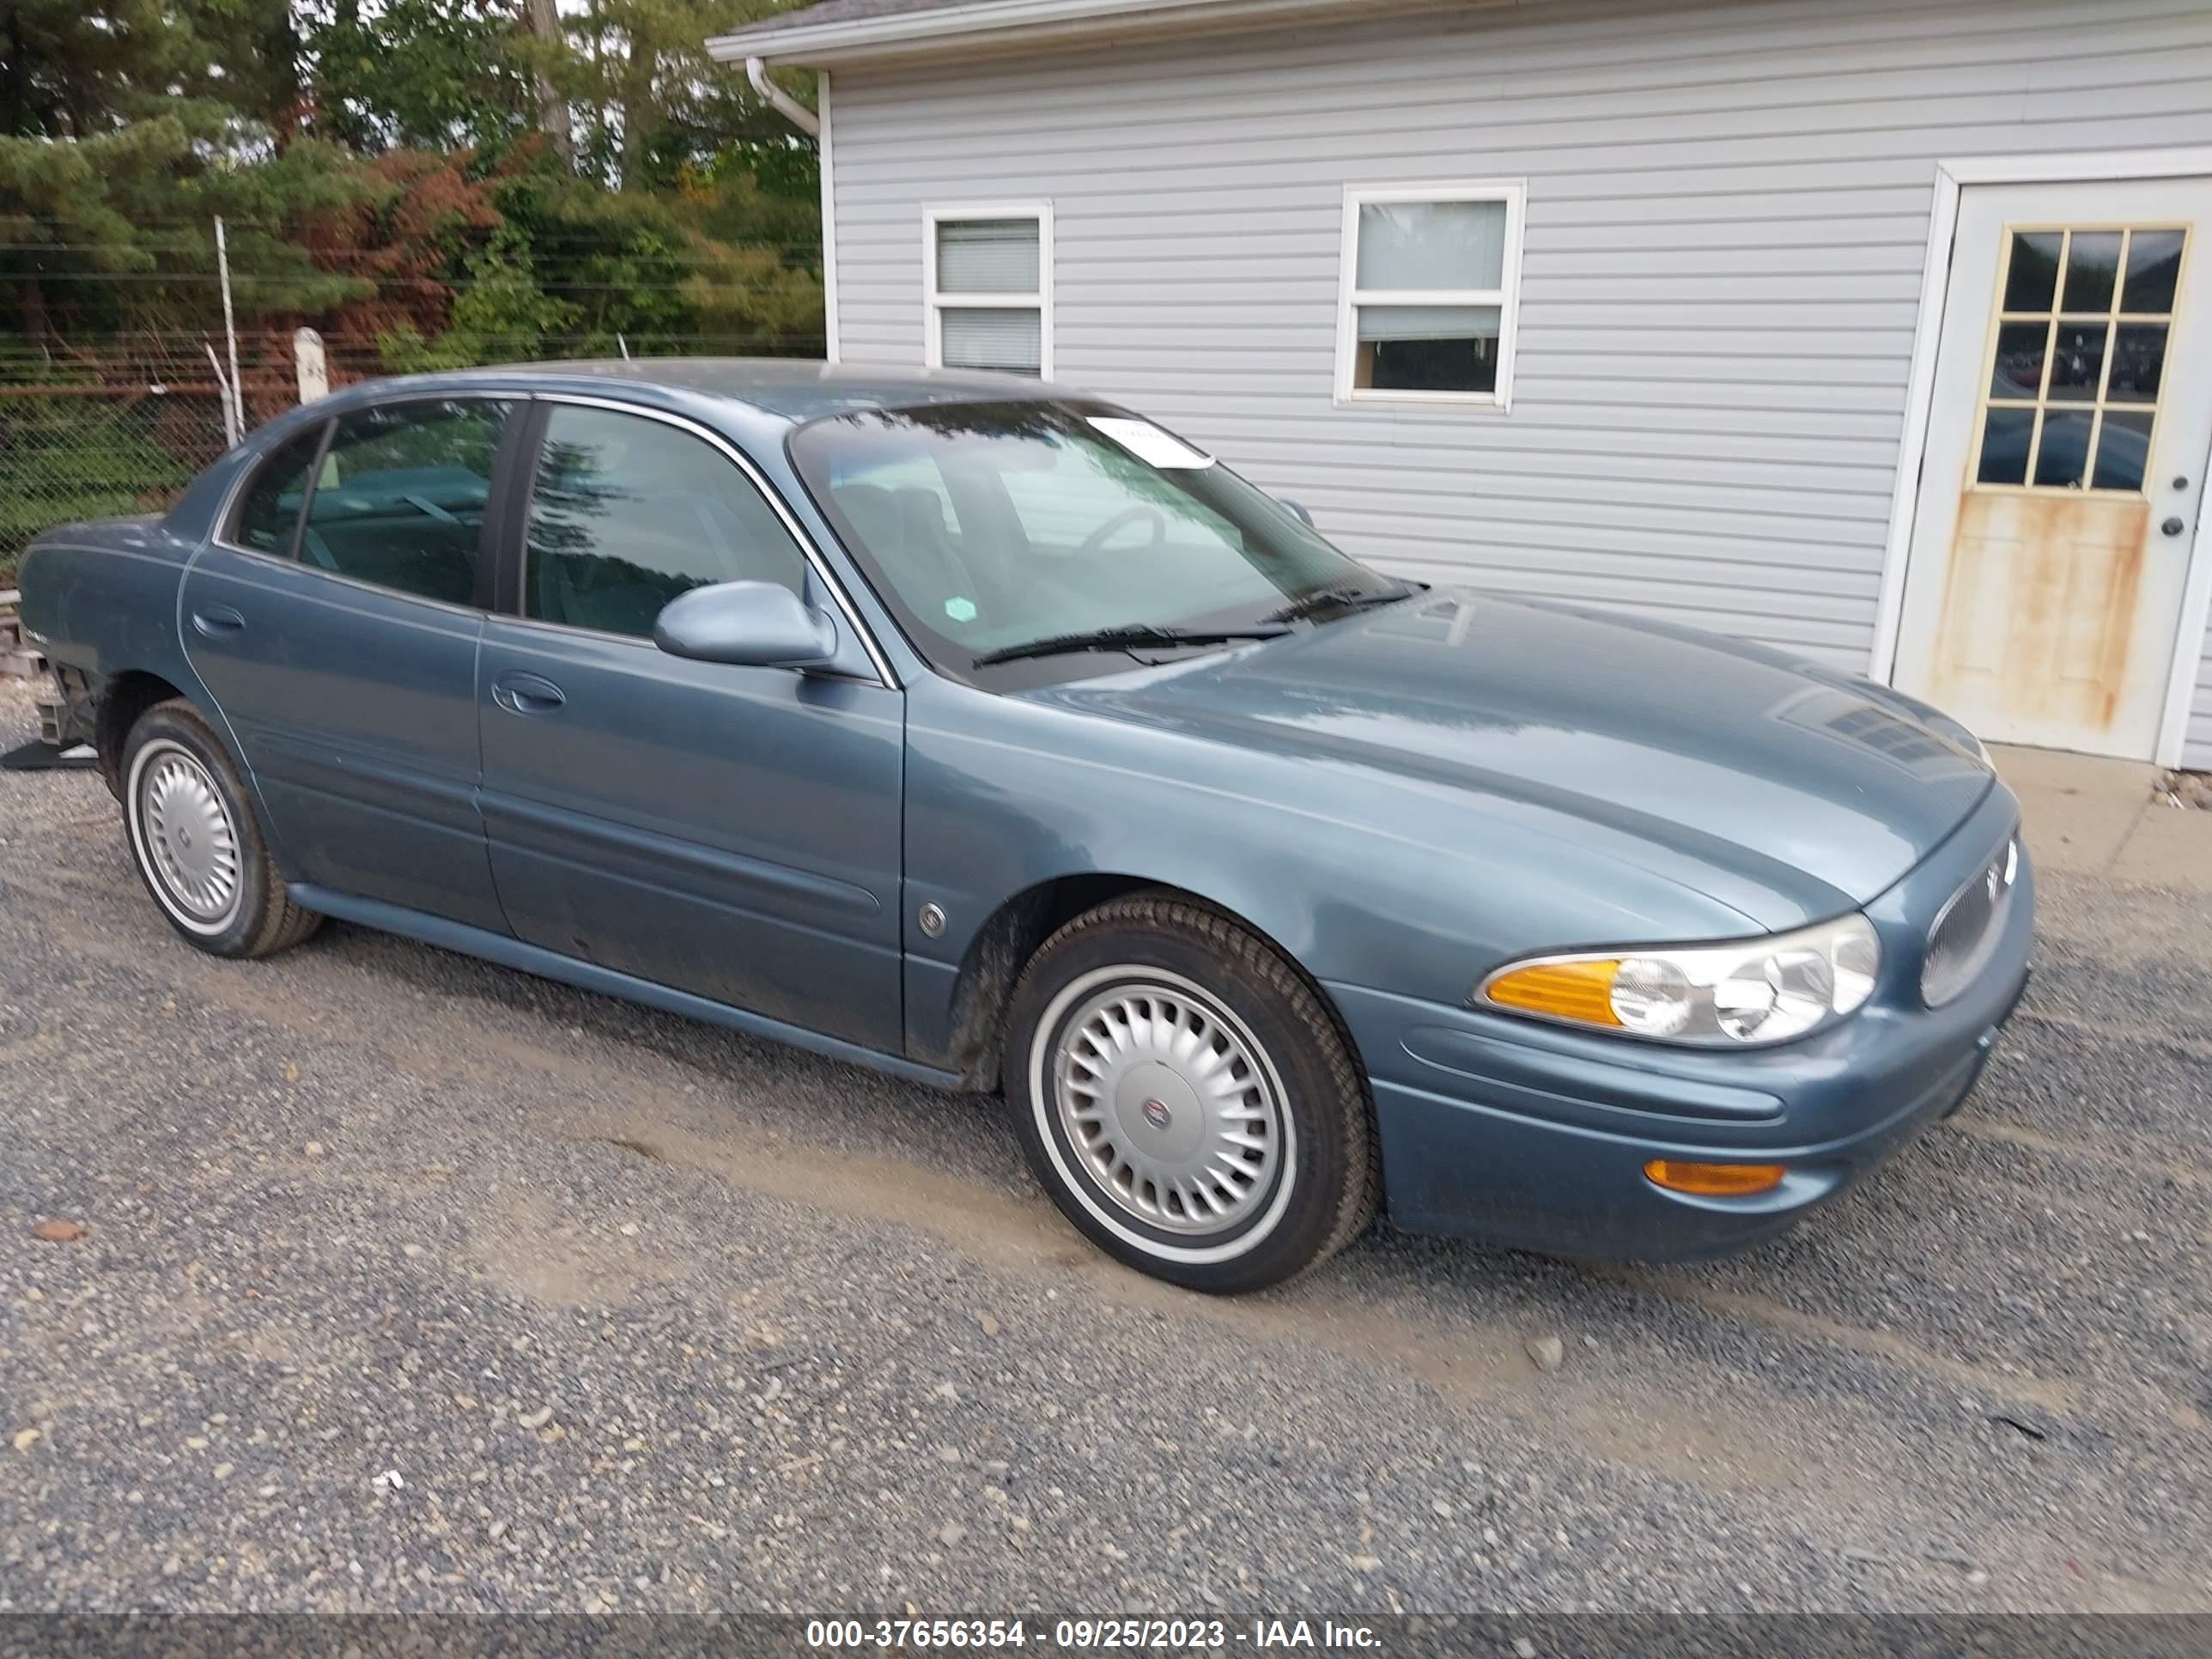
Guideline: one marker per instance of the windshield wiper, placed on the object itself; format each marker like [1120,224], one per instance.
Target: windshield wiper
[1123,639]
[1349,596]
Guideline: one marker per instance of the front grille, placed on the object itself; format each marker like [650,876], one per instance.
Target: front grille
[1966,932]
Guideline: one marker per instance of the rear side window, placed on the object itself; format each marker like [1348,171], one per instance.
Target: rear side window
[401,496]
[628,512]
[270,511]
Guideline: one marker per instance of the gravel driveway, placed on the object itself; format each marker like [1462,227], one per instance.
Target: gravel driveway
[409,1282]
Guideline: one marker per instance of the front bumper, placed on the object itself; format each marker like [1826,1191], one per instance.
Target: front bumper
[1535,1136]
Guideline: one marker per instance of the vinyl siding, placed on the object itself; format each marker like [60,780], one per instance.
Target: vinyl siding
[1727,215]
[2197,747]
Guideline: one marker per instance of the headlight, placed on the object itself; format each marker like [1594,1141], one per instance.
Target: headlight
[1717,996]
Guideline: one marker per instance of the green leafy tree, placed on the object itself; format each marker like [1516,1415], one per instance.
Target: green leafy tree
[425,74]
[76,69]
[118,148]
[495,168]
[503,314]
[652,103]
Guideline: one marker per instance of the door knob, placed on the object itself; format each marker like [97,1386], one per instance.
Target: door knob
[2173,527]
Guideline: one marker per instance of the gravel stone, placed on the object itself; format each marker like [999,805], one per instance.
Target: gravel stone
[1729,1435]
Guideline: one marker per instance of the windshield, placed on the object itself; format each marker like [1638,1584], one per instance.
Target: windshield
[991,527]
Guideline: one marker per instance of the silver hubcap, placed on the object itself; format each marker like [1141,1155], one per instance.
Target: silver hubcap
[1168,1106]
[191,844]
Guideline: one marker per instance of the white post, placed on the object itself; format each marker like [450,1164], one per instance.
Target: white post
[314,364]
[230,334]
[230,432]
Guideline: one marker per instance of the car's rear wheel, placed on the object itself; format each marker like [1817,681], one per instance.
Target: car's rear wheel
[194,841]
[1188,1098]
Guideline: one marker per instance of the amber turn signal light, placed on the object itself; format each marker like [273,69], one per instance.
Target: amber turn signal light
[1580,991]
[1714,1180]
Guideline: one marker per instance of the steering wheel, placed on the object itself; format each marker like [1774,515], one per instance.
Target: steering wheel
[1097,540]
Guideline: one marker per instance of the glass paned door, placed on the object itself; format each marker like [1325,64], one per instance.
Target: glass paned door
[2078,356]
[2067,435]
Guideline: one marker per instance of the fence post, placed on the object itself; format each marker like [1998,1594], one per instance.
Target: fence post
[314,364]
[230,334]
[230,432]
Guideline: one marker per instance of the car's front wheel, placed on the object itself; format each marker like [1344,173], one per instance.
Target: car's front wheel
[1187,1097]
[194,841]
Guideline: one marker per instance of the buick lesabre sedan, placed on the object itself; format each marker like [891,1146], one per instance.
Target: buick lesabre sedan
[995,736]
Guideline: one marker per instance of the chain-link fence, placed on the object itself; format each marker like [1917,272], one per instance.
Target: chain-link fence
[86,451]
[122,427]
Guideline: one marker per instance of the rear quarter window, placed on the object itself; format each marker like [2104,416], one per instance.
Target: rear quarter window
[268,515]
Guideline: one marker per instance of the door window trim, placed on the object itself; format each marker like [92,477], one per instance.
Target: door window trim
[511,547]
[233,500]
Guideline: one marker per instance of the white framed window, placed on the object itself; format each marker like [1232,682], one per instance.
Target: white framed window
[989,286]
[1429,293]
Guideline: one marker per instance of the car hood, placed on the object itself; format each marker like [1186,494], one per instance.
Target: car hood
[1784,789]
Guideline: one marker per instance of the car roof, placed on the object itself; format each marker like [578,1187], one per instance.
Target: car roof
[795,390]
[765,396]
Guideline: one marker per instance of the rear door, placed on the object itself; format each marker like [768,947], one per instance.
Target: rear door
[729,831]
[341,645]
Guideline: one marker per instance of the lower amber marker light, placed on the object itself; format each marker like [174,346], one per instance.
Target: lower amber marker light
[1715,1179]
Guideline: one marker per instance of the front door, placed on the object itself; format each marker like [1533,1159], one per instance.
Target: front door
[730,832]
[2065,463]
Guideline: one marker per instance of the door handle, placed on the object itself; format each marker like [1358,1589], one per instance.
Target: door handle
[218,622]
[526,694]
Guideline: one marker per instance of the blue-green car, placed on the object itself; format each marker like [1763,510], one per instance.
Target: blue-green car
[993,736]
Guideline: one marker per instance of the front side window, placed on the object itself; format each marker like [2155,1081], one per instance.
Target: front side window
[1430,287]
[627,513]
[400,499]
[990,288]
[988,528]
[268,516]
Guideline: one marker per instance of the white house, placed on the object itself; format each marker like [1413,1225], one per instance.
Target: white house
[1880,330]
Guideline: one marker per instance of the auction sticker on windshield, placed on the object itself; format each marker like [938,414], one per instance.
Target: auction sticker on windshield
[1149,444]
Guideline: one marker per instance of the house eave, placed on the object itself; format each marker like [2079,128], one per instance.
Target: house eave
[991,26]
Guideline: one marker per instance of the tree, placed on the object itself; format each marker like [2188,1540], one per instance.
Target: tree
[118,145]
[552,104]
[496,170]
[73,69]
[501,315]
[115,231]
[429,75]
[653,102]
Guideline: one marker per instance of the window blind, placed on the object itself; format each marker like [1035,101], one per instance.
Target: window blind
[987,256]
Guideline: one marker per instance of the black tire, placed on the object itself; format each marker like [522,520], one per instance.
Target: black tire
[255,914]
[1224,993]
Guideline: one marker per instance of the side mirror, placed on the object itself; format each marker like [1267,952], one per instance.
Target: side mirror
[1298,510]
[750,624]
